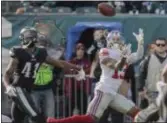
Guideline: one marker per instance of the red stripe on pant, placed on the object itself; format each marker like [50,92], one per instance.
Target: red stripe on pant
[96,102]
[73,119]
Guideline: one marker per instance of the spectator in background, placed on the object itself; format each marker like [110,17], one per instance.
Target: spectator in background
[79,89]
[147,7]
[150,71]
[20,11]
[133,6]
[99,42]
[80,58]
[42,93]
[32,7]
[151,49]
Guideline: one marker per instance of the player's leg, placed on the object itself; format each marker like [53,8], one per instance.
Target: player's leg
[99,104]
[125,106]
[17,115]
[24,101]
[148,114]
[36,99]
[154,111]
[73,119]
[95,110]
[49,103]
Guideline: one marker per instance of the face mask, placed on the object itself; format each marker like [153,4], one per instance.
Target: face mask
[31,45]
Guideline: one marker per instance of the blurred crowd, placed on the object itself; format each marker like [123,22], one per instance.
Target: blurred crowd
[131,7]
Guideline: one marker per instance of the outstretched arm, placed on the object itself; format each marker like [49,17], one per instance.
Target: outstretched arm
[134,57]
[61,64]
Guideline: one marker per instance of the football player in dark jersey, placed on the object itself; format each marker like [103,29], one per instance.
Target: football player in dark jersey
[24,63]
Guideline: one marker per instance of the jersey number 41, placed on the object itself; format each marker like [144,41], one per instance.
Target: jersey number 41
[28,69]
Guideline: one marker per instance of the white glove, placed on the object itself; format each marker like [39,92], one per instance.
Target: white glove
[139,37]
[10,91]
[80,76]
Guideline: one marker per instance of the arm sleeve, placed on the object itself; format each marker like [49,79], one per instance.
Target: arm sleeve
[143,73]
[134,57]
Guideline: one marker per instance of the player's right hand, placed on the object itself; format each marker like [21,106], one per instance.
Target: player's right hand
[10,91]
[81,75]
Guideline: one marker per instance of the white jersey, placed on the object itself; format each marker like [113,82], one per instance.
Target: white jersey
[107,83]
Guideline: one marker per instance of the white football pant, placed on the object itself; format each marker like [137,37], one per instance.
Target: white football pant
[102,100]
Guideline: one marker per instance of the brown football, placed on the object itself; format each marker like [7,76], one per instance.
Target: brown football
[106,9]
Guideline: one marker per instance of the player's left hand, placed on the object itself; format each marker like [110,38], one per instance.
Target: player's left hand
[140,36]
[11,91]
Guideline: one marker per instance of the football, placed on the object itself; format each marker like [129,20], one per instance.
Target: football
[106,9]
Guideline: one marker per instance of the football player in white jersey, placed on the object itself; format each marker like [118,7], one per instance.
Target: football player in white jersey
[105,93]
[115,41]
[109,87]
[106,90]
[159,106]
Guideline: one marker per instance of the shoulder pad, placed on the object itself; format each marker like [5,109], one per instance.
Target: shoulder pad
[13,51]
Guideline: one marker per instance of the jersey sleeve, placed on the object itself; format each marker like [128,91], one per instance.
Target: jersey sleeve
[134,57]
[13,52]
